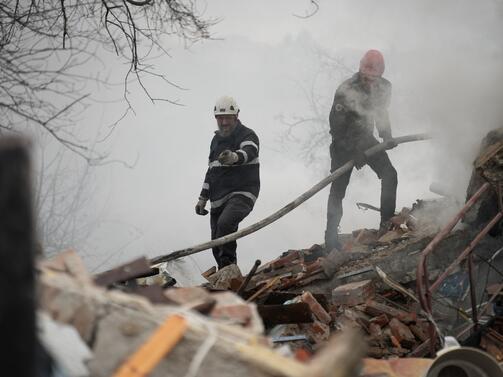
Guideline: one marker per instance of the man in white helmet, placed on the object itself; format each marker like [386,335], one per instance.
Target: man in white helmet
[232,181]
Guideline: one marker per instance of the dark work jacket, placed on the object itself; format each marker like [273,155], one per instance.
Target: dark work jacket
[355,111]
[242,178]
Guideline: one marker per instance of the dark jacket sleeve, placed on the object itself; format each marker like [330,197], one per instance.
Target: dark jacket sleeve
[205,191]
[248,149]
[381,113]
[341,115]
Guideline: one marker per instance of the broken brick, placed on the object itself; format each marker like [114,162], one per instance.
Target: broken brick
[353,293]
[381,320]
[402,333]
[302,355]
[206,274]
[375,308]
[375,330]
[420,331]
[286,260]
[222,279]
[317,332]
[318,311]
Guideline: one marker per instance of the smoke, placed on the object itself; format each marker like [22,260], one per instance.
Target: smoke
[443,59]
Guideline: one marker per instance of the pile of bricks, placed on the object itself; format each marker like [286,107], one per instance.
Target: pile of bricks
[391,328]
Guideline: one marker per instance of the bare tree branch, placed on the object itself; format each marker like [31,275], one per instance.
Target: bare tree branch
[315,6]
[45,43]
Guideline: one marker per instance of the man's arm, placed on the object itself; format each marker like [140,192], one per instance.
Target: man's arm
[205,191]
[248,149]
[340,115]
[203,196]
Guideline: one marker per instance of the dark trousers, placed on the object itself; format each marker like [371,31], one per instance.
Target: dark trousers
[225,220]
[382,166]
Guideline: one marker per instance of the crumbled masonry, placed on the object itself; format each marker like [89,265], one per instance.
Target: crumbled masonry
[354,311]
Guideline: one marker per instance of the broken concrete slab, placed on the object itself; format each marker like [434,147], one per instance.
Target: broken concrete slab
[353,293]
[68,261]
[223,278]
[229,304]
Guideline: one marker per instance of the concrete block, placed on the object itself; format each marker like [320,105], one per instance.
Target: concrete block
[353,293]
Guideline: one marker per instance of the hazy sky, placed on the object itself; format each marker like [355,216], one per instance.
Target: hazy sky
[444,60]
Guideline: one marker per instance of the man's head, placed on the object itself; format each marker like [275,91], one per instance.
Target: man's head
[226,113]
[371,66]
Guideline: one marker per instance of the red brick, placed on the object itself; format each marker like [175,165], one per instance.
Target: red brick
[395,342]
[381,320]
[402,333]
[375,308]
[353,293]
[317,332]
[375,330]
[419,332]
[286,260]
[318,311]
[206,274]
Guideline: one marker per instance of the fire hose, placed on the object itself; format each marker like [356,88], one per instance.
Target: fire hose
[287,208]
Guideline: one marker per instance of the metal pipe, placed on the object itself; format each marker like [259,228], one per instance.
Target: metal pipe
[473,297]
[248,277]
[466,252]
[422,271]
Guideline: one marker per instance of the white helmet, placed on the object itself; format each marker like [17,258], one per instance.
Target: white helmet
[226,106]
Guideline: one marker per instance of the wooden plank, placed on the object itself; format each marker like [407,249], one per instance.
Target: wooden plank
[137,268]
[162,341]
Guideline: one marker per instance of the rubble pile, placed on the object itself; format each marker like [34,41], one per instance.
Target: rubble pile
[186,331]
[358,311]
[292,314]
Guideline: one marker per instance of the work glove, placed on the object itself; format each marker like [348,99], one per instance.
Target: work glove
[359,159]
[201,203]
[228,157]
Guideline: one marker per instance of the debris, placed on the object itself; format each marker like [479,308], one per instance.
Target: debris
[288,308]
[245,283]
[291,338]
[231,308]
[161,342]
[376,308]
[316,308]
[206,274]
[70,262]
[223,278]
[317,332]
[353,293]
[268,286]
[136,269]
[285,314]
[365,236]
[402,333]
[187,295]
